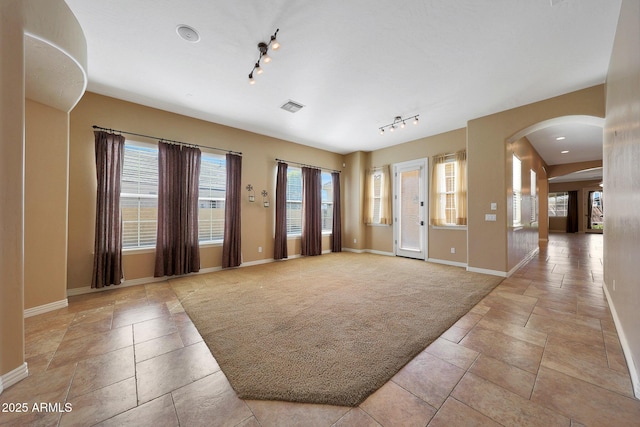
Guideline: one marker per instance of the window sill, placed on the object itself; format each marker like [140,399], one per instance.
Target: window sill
[138,251]
[299,236]
[448,227]
[378,225]
[210,244]
[518,227]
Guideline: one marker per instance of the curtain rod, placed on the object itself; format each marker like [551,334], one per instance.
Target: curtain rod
[166,140]
[306,165]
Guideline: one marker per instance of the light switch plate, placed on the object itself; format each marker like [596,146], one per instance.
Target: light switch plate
[494,206]
[490,217]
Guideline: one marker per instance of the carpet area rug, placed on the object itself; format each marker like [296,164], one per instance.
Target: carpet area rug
[329,329]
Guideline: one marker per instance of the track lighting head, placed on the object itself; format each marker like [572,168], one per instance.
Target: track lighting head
[263,56]
[275,44]
[398,122]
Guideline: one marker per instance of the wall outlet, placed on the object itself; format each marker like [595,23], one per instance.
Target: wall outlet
[494,206]
[260,249]
[355,241]
[453,250]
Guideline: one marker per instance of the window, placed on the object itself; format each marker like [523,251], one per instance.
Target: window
[294,201]
[534,198]
[212,191]
[448,191]
[446,175]
[327,202]
[378,196]
[139,196]
[558,204]
[517,191]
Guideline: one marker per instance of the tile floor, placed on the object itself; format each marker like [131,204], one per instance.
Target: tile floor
[541,349]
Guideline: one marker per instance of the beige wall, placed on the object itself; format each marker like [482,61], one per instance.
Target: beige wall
[560,223]
[11,187]
[258,169]
[487,171]
[353,228]
[622,183]
[45,215]
[380,238]
[522,240]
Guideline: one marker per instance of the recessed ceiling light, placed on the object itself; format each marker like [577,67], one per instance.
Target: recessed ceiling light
[560,138]
[188,33]
[564,152]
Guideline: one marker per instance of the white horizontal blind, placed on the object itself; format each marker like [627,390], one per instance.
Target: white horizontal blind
[211,198]
[294,201]
[446,185]
[327,202]
[139,196]
[376,198]
[534,198]
[517,191]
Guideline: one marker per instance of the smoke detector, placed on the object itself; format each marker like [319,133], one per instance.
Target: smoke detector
[188,33]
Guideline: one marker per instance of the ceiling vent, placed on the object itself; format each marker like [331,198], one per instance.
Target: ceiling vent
[292,106]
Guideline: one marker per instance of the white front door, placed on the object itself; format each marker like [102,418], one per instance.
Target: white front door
[410,209]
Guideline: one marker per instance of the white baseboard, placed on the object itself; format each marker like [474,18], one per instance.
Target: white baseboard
[485,271]
[445,262]
[355,251]
[125,284]
[371,251]
[523,261]
[12,377]
[34,311]
[635,380]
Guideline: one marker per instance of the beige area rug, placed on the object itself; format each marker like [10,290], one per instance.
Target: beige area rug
[327,329]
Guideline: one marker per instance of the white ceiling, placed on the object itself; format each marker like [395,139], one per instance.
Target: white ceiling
[355,64]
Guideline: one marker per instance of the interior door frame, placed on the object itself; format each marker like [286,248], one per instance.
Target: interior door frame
[423,164]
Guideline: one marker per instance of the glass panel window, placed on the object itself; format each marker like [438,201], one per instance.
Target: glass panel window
[139,196]
[294,201]
[517,191]
[446,188]
[211,198]
[558,203]
[534,197]
[327,202]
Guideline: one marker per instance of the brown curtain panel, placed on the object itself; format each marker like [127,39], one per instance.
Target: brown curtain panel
[177,248]
[231,248]
[280,243]
[311,211]
[107,255]
[336,236]
[572,212]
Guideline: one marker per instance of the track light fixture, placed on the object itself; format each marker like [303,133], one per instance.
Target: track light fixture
[263,48]
[398,122]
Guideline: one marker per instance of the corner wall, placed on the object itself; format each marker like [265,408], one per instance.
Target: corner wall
[487,175]
[622,185]
[45,235]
